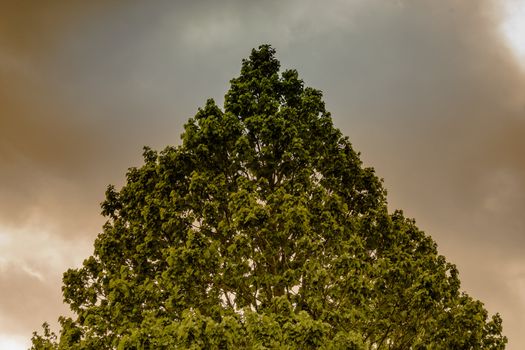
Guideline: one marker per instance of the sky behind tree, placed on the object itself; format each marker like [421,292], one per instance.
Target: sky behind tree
[430,92]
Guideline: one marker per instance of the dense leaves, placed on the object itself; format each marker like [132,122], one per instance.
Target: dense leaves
[263,230]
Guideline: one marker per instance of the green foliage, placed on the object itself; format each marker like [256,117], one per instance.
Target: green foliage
[47,341]
[263,230]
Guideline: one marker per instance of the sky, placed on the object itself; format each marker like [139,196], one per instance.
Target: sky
[430,92]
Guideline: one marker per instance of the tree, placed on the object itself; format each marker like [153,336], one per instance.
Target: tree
[263,229]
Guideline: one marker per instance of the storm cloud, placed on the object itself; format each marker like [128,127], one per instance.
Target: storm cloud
[429,92]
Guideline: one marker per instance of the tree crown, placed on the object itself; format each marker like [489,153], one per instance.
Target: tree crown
[263,229]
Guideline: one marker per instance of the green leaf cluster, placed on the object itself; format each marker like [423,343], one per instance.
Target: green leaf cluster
[264,230]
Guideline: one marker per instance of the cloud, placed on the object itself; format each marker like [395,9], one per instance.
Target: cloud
[429,92]
[31,265]
[27,302]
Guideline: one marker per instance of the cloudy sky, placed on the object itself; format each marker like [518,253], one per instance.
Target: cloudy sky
[432,93]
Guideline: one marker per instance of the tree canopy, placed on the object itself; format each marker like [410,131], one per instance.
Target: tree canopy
[263,230]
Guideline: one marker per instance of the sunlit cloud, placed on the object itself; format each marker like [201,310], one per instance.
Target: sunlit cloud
[10,342]
[513,27]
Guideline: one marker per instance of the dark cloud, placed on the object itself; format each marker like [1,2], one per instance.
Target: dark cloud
[428,91]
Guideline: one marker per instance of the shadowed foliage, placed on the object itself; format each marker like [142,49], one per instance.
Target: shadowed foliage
[263,230]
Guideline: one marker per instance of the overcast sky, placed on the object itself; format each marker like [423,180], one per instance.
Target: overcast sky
[432,93]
